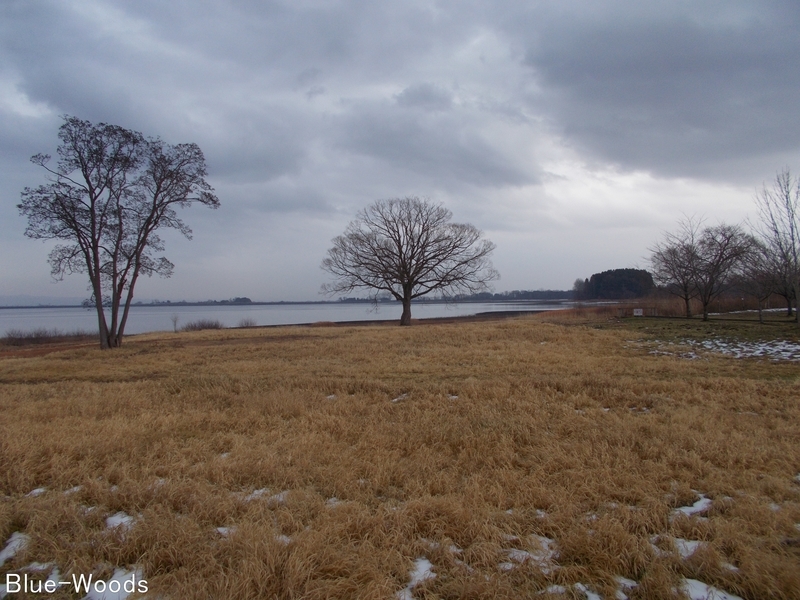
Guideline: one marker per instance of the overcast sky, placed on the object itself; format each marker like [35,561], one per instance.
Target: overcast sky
[572,133]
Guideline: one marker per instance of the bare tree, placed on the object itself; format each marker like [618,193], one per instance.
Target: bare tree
[758,276]
[779,210]
[673,261]
[408,247]
[109,193]
[720,250]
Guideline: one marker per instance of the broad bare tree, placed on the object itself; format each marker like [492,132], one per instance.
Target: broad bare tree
[408,247]
[699,263]
[779,211]
[673,261]
[109,193]
[720,251]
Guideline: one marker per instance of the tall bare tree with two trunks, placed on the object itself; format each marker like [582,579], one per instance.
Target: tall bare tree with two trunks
[108,194]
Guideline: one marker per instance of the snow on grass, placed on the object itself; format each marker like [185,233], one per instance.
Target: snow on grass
[330,397]
[422,571]
[554,589]
[14,544]
[697,590]
[775,350]
[120,577]
[698,508]
[400,398]
[279,498]
[624,585]
[37,492]
[283,539]
[590,595]
[684,547]
[256,494]
[225,531]
[541,552]
[120,519]
[687,547]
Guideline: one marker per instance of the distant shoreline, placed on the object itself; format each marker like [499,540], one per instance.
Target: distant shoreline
[295,303]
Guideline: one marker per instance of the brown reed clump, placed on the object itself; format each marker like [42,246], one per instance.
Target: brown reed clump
[516,456]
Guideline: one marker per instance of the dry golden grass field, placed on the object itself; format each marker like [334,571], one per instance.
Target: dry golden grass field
[553,456]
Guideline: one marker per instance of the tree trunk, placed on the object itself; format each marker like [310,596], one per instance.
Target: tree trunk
[688,302]
[405,319]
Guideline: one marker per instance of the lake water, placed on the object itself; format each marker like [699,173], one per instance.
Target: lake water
[144,318]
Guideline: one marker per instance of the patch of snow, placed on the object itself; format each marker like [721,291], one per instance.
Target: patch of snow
[606,409]
[225,455]
[37,492]
[658,551]
[422,571]
[120,576]
[283,539]
[400,398]
[797,478]
[774,507]
[452,397]
[553,589]
[225,531]
[14,544]
[580,411]
[256,494]
[37,566]
[334,501]
[590,595]
[774,350]
[74,490]
[541,552]
[687,547]
[624,585]
[330,397]
[697,590]
[730,567]
[120,519]
[279,498]
[697,508]
[540,514]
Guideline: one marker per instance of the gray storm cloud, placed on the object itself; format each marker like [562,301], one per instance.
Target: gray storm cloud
[560,120]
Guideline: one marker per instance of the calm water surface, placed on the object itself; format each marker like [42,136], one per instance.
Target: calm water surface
[159,318]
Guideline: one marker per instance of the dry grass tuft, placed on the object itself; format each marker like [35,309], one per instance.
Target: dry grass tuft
[322,462]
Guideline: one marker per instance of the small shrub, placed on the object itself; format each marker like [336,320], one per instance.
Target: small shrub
[248,322]
[201,324]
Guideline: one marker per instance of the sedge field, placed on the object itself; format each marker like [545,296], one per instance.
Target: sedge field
[540,457]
